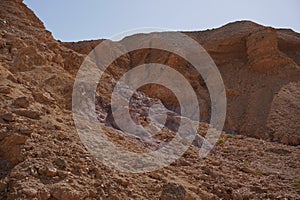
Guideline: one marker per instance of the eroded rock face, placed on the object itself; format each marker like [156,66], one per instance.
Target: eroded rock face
[255,63]
[286,107]
[28,48]
[263,53]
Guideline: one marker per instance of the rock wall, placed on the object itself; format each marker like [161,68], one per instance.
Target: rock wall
[256,62]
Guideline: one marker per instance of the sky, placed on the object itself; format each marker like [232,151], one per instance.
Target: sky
[75,20]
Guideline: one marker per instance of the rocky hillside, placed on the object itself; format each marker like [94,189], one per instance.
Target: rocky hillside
[258,64]
[42,157]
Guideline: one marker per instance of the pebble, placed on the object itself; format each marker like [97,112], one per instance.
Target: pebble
[28,113]
[26,131]
[48,171]
[5,89]
[9,117]
[173,191]
[44,98]
[22,102]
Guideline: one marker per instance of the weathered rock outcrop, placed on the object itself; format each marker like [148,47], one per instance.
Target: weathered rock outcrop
[255,62]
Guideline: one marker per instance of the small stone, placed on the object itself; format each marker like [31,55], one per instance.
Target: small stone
[31,192]
[26,131]
[62,191]
[240,137]
[246,170]
[62,173]
[10,148]
[48,171]
[57,127]
[123,182]
[59,120]
[21,102]
[33,171]
[28,113]
[258,189]
[155,176]
[42,171]
[2,42]
[12,78]
[62,136]
[181,162]
[45,194]
[60,162]
[51,172]
[44,98]
[173,191]
[5,89]
[9,117]
[41,131]
[3,186]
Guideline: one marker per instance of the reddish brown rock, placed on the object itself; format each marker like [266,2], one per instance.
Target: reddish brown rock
[28,113]
[22,102]
[173,191]
[9,117]
[44,98]
[3,186]
[26,131]
[48,171]
[10,148]
[5,89]
[63,191]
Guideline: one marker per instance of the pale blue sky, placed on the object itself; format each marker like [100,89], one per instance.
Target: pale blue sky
[74,20]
